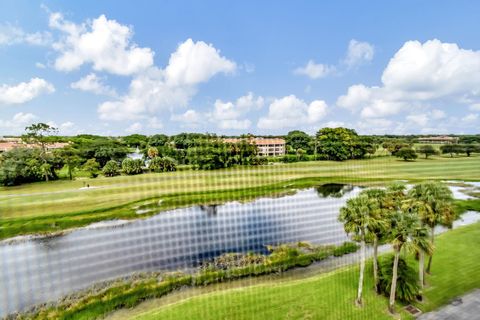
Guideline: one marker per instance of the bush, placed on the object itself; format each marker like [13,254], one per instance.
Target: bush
[92,167]
[164,164]
[131,166]
[22,165]
[407,280]
[111,169]
[346,247]
[406,153]
[289,158]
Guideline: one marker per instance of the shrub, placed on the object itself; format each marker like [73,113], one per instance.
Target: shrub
[407,281]
[346,247]
[131,166]
[406,153]
[164,164]
[92,167]
[111,169]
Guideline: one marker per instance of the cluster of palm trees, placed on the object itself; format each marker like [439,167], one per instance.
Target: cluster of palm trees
[404,219]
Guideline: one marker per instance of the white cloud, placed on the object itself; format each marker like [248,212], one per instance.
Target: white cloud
[24,91]
[290,111]
[333,124]
[234,124]
[475,107]
[106,44]
[67,125]
[134,128]
[358,53]
[231,115]
[248,102]
[418,119]
[189,118]
[11,35]
[93,83]
[40,65]
[314,70]
[195,62]
[17,123]
[356,95]
[438,114]
[154,89]
[471,117]
[154,123]
[417,76]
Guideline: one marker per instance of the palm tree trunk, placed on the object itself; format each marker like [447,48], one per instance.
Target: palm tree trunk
[421,269]
[393,289]
[362,270]
[375,264]
[431,256]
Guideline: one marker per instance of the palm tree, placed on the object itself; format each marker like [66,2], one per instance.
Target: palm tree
[438,209]
[377,230]
[404,228]
[423,245]
[359,216]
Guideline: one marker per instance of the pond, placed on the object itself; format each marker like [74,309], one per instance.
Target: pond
[44,269]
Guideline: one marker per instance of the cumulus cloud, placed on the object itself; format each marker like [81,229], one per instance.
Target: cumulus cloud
[40,65]
[11,35]
[418,75]
[24,91]
[189,119]
[17,123]
[134,128]
[314,70]
[231,115]
[154,123]
[104,43]
[154,89]
[290,111]
[471,117]
[195,62]
[418,119]
[93,83]
[359,52]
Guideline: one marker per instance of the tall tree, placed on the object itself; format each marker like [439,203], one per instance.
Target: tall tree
[377,230]
[299,140]
[337,144]
[70,158]
[403,229]
[427,150]
[437,200]
[358,217]
[38,134]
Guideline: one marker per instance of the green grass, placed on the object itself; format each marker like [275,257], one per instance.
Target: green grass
[59,205]
[330,296]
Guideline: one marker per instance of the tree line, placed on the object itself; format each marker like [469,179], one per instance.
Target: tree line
[95,155]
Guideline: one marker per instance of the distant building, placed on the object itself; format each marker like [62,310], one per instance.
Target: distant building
[267,147]
[438,140]
[7,144]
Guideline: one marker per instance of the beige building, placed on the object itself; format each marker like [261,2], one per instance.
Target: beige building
[267,147]
[7,144]
[438,140]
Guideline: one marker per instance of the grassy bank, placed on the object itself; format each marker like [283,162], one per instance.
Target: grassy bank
[59,205]
[455,272]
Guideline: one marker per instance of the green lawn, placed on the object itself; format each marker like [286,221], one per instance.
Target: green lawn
[330,296]
[58,205]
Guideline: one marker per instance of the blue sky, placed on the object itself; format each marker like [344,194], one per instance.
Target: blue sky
[120,67]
